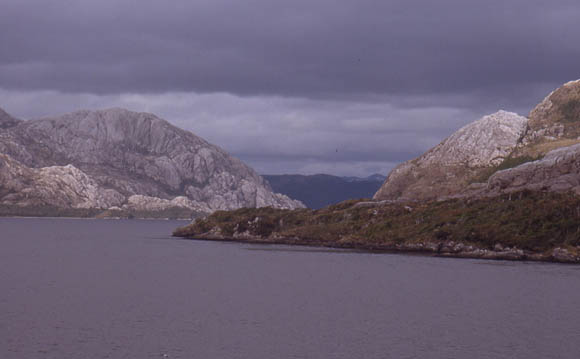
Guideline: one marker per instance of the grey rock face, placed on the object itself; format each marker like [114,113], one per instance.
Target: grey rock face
[446,169]
[483,143]
[558,171]
[125,153]
[144,203]
[58,186]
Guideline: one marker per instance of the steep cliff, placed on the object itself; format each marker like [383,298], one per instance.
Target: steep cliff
[106,157]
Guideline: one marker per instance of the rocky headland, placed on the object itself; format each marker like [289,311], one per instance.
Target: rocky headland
[120,163]
[503,187]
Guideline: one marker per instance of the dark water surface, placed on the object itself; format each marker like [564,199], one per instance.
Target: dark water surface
[126,289]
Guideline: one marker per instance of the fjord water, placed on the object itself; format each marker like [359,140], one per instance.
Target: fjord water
[126,289]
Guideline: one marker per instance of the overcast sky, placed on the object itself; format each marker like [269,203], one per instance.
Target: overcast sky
[340,87]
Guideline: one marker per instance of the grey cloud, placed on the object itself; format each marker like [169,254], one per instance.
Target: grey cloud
[277,134]
[300,48]
[285,84]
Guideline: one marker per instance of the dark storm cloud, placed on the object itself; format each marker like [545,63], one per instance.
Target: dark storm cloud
[302,86]
[290,48]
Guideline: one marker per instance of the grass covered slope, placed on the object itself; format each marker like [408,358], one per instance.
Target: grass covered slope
[524,225]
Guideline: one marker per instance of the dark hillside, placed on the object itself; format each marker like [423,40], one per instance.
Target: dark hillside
[317,191]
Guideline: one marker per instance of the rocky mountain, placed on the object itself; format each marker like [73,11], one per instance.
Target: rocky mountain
[449,166]
[317,191]
[122,160]
[500,153]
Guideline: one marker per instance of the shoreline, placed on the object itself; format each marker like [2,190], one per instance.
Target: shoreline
[15,211]
[533,226]
[440,250]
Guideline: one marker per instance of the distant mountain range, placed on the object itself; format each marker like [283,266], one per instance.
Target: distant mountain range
[317,191]
[372,178]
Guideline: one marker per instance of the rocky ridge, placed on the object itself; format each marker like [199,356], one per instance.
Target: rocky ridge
[121,159]
[500,153]
[450,165]
[553,123]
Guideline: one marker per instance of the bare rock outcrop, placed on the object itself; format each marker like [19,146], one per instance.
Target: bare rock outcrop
[448,167]
[500,153]
[139,202]
[109,156]
[554,122]
[558,171]
[56,186]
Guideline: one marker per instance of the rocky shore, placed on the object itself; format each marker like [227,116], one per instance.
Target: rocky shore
[523,226]
[446,249]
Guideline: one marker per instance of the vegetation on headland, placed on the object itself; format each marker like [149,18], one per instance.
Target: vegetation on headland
[51,211]
[523,225]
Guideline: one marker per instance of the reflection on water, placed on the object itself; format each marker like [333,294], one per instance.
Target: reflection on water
[126,289]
